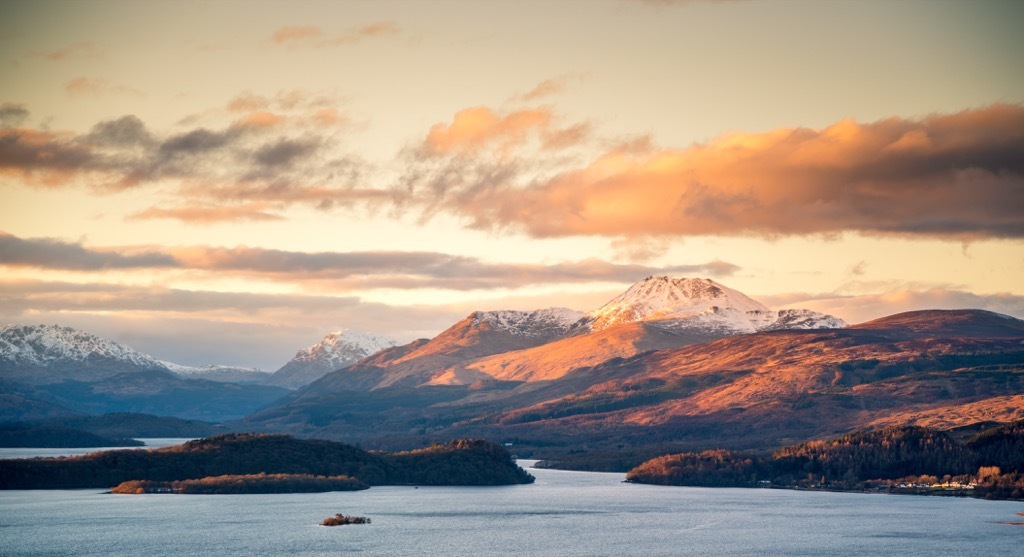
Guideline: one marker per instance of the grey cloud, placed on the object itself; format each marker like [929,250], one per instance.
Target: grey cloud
[284,152]
[360,270]
[127,131]
[215,168]
[30,151]
[199,140]
[343,270]
[55,254]
[12,115]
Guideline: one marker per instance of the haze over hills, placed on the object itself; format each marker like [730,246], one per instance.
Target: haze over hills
[48,371]
[41,354]
[224,374]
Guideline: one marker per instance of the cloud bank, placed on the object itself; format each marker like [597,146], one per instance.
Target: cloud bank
[274,153]
[949,176]
[336,271]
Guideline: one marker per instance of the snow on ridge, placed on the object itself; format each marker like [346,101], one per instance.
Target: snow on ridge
[209,368]
[346,346]
[530,323]
[46,344]
[806,319]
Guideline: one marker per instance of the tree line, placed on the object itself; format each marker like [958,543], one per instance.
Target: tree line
[455,463]
[246,483]
[993,461]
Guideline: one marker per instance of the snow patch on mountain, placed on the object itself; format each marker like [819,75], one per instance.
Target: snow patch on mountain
[805,319]
[542,322]
[45,345]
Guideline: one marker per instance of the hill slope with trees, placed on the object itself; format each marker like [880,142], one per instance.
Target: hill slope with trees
[456,463]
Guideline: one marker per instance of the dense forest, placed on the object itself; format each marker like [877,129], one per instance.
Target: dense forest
[911,459]
[56,436]
[247,483]
[456,463]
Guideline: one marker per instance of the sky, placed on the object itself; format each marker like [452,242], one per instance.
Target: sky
[226,182]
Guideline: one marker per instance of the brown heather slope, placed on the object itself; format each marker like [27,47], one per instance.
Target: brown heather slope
[556,359]
[419,362]
[955,323]
[767,389]
[755,391]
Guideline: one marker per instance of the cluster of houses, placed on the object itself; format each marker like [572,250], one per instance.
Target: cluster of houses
[944,485]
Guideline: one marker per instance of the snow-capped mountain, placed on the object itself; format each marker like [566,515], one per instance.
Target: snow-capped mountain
[337,350]
[542,322]
[805,319]
[701,304]
[224,374]
[40,354]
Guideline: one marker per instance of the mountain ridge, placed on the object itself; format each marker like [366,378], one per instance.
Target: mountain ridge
[658,312]
[749,391]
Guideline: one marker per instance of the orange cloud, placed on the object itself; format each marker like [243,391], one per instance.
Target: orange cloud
[207,214]
[260,119]
[329,117]
[956,175]
[480,127]
[474,127]
[294,35]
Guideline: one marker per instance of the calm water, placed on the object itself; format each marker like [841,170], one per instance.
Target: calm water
[151,443]
[563,514]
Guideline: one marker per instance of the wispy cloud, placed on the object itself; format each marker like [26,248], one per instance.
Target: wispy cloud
[99,87]
[859,308]
[549,87]
[947,175]
[200,214]
[314,36]
[75,50]
[667,3]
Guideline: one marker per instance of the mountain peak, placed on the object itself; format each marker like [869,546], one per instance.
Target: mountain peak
[663,297]
[45,344]
[337,350]
[701,304]
[343,347]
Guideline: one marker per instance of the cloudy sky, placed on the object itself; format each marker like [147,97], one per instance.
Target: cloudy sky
[226,182]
